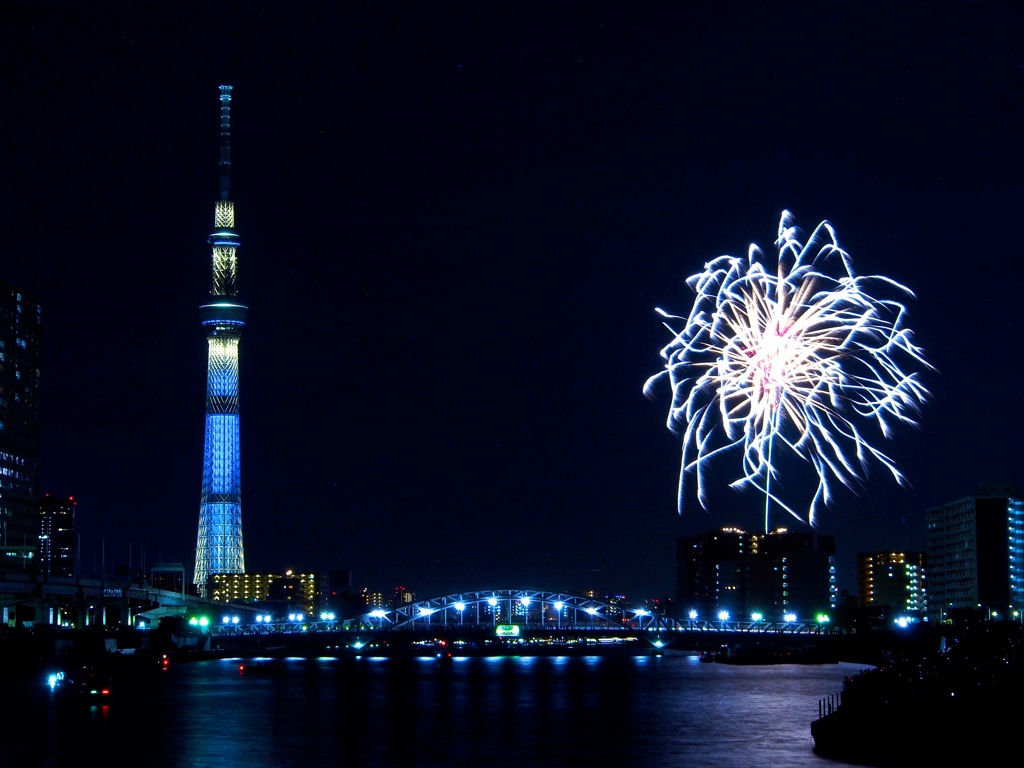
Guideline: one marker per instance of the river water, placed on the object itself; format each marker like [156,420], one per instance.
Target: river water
[666,710]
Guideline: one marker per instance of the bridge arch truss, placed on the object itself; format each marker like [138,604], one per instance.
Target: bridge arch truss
[533,608]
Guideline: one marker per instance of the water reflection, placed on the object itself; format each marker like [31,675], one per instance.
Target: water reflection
[504,711]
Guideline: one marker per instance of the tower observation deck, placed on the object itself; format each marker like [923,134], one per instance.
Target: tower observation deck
[219,545]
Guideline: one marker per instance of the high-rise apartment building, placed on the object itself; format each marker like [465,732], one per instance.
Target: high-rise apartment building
[976,553]
[711,571]
[742,573]
[56,536]
[794,572]
[20,327]
[219,544]
[894,579]
[297,590]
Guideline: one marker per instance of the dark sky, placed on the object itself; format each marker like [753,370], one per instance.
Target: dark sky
[457,220]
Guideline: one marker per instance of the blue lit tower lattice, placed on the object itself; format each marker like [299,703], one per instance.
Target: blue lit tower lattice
[219,545]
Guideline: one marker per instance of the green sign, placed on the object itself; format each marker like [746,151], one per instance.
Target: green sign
[507,630]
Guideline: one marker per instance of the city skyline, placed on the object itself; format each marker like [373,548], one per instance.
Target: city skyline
[458,226]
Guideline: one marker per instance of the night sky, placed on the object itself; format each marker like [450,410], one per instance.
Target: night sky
[456,222]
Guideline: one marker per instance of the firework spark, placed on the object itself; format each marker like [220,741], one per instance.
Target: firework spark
[766,365]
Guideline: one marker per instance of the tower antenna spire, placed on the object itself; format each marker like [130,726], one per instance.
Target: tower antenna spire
[225,142]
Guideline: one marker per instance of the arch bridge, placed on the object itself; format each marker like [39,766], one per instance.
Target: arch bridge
[525,607]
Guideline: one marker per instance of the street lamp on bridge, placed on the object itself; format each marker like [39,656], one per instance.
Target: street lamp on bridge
[425,612]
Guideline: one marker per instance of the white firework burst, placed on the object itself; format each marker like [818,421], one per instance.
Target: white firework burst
[793,362]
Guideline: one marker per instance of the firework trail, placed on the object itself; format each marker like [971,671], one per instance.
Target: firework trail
[791,363]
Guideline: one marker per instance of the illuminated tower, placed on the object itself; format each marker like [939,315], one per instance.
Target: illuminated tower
[219,546]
